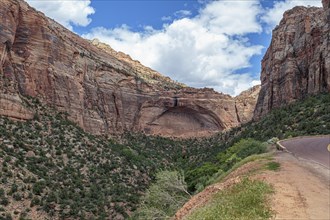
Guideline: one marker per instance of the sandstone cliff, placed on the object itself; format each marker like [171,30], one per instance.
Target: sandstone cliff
[102,90]
[297,62]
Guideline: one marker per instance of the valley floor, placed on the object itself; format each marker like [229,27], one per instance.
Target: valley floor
[301,188]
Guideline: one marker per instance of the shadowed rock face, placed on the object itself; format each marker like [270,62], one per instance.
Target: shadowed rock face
[297,62]
[102,90]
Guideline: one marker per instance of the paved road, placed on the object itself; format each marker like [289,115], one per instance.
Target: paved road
[310,148]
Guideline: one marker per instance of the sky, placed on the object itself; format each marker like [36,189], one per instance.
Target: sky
[202,43]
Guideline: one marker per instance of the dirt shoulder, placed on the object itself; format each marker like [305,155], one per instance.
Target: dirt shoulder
[301,188]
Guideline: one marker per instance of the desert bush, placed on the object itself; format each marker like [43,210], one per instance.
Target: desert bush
[163,197]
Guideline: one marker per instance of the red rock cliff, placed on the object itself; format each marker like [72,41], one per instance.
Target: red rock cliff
[104,91]
[297,62]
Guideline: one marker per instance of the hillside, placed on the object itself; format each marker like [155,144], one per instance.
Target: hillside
[307,117]
[216,177]
[84,129]
[276,185]
[51,167]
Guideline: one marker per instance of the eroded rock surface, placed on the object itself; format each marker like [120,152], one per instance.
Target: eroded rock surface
[297,62]
[102,90]
[11,105]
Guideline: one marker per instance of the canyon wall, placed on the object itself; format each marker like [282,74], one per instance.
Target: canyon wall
[103,91]
[297,62]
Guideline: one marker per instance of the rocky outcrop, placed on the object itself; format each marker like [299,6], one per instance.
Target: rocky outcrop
[11,105]
[297,62]
[245,103]
[196,112]
[102,90]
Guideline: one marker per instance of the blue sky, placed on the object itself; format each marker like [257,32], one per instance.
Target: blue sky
[202,43]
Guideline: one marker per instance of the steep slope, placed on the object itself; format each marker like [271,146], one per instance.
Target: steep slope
[51,169]
[104,91]
[297,62]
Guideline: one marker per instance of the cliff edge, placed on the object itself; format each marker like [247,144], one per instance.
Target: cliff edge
[297,62]
[103,91]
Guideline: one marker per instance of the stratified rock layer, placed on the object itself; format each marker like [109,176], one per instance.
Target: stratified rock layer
[297,62]
[11,105]
[102,90]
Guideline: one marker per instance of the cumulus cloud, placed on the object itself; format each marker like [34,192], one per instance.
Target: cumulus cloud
[202,51]
[211,49]
[273,15]
[67,12]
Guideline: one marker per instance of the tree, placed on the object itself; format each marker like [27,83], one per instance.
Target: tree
[164,197]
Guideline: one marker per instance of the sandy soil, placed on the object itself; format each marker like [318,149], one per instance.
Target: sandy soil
[301,188]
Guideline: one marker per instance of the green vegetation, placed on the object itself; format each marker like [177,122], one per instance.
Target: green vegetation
[200,177]
[164,197]
[308,117]
[66,173]
[245,200]
[273,166]
[217,177]
[239,151]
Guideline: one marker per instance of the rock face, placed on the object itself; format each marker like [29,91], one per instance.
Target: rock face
[11,105]
[102,90]
[297,62]
[191,112]
[245,103]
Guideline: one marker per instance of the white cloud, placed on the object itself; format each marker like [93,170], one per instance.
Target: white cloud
[177,15]
[66,12]
[182,13]
[273,15]
[203,51]
[232,17]
[166,18]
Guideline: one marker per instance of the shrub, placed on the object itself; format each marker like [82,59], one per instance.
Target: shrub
[239,151]
[164,197]
[38,187]
[2,192]
[200,175]
[17,196]
[4,201]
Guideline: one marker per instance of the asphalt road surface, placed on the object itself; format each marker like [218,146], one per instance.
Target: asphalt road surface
[311,148]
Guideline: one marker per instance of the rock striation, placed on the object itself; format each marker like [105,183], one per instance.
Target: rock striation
[297,62]
[11,105]
[103,91]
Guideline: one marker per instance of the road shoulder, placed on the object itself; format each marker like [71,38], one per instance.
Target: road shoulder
[301,188]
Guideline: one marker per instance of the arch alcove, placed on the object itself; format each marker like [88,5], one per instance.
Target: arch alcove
[181,121]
